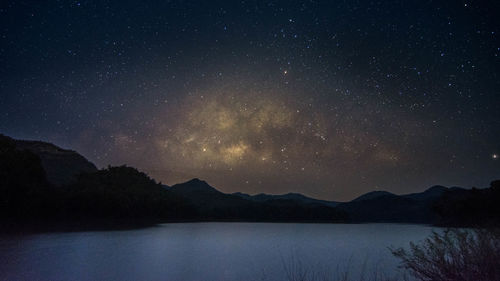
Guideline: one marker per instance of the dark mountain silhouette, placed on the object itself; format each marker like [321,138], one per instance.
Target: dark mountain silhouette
[119,192]
[469,207]
[194,186]
[215,205]
[389,208]
[61,165]
[299,198]
[373,195]
[377,206]
[210,202]
[430,193]
[40,181]
[383,206]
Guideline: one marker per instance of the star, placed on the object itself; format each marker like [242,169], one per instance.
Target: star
[256,93]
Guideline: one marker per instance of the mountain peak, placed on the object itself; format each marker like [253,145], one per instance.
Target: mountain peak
[194,185]
[436,188]
[196,181]
[241,194]
[430,193]
[262,197]
[373,195]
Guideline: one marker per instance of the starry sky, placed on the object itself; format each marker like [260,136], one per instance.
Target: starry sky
[331,99]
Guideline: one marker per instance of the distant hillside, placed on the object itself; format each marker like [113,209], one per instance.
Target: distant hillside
[373,195]
[431,193]
[32,171]
[297,197]
[375,206]
[383,206]
[122,193]
[389,208]
[209,201]
[60,165]
[215,205]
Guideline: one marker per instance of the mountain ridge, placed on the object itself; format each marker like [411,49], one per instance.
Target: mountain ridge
[125,192]
[262,197]
[61,165]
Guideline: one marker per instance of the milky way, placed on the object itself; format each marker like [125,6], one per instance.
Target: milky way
[324,98]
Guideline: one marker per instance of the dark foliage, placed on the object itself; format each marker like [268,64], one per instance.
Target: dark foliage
[473,207]
[22,181]
[125,193]
[116,192]
[122,192]
[458,255]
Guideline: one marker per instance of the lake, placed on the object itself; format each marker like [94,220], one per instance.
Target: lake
[207,251]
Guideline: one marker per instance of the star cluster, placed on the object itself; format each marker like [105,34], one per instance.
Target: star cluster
[327,98]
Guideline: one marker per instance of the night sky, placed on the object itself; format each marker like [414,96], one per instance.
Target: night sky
[328,98]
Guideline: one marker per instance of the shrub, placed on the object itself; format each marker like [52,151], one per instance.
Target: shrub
[458,255]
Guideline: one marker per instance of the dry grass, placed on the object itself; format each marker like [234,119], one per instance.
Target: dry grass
[296,270]
[458,255]
[451,255]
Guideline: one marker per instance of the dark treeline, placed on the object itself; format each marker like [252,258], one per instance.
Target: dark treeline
[23,184]
[124,193]
[469,207]
[115,192]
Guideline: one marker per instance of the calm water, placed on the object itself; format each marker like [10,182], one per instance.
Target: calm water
[205,251]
